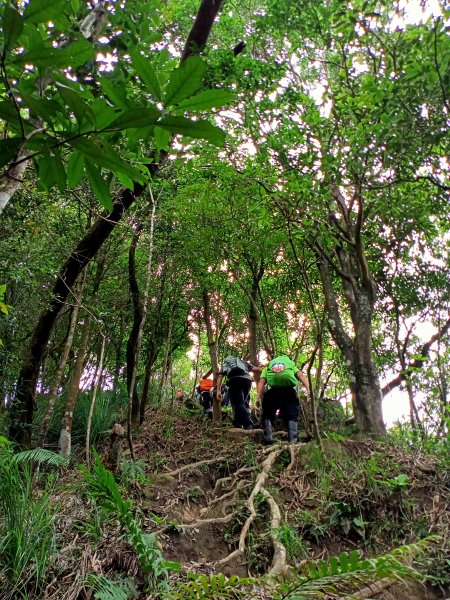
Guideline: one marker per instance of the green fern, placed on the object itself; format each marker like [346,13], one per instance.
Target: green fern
[213,587]
[42,457]
[105,589]
[316,579]
[105,490]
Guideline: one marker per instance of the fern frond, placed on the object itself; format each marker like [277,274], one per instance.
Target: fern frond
[105,589]
[41,456]
[213,587]
[316,578]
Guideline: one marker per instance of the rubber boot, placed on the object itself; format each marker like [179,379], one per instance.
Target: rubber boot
[292,431]
[267,426]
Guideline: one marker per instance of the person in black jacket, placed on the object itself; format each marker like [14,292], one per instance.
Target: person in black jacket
[237,372]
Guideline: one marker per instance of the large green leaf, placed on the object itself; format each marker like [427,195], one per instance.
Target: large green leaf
[41,11]
[146,73]
[40,107]
[184,81]
[115,93]
[206,100]
[104,156]
[162,138]
[74,55]
[8,150]
[8,112]
[76,104]
[99,186]
[75,166]
[51,172]
[194,129]
[79,53]
[137,117]
[12,27]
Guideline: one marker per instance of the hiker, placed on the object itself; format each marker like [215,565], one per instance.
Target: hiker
[280,376]
[239,383]
[205,387]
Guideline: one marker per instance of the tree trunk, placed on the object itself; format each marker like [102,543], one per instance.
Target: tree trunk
[65,438]
[22,405]
[61,366]
[165,365]
[132,344]
[95,389]
[213,353]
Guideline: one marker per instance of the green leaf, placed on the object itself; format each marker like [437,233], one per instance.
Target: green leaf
[8,150]
[41,11]
[75,103]
[74,55]
[146,73]
[51,172]
[185,80]
[79,53]
[206,100]
[162,138]
[8,112]
[104,156]
[75,166]
[75,4]
[114,93]
[99,186]
[137,117]
[12,27]
[194,129]
[41,107]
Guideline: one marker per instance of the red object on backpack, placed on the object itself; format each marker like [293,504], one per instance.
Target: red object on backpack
[206,385]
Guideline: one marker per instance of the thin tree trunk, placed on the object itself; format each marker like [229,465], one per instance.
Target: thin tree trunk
[43,430]
[65,438]
[133,397]
[94,398]
[132,344]
[213,353]
[197,359]
[164,373]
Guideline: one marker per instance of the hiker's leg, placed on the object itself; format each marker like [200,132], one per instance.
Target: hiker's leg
[291,411]
[269,409]
[207,404]
[239,390]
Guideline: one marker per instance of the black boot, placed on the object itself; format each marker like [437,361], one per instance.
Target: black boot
[267,426]
[292,431]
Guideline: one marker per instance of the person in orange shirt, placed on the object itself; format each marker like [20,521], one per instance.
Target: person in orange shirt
[205,388]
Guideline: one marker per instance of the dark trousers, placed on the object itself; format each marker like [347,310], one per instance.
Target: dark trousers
[239,389]
[205,401]
[283,399]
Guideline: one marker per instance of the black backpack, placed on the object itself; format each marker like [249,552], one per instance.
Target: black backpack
[234,367]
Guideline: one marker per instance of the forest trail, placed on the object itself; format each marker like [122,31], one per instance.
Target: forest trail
[220,501]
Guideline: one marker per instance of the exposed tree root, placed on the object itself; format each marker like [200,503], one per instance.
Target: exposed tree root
[232,493]
[259,484]
[371,590]
[193,466]
[233,477]
[279,551]
[292,451]
[195,525]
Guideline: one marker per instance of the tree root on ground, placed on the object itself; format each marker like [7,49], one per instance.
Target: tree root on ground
[233,477]
[279,551]
[259,485]
[193,466]
[195,525]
